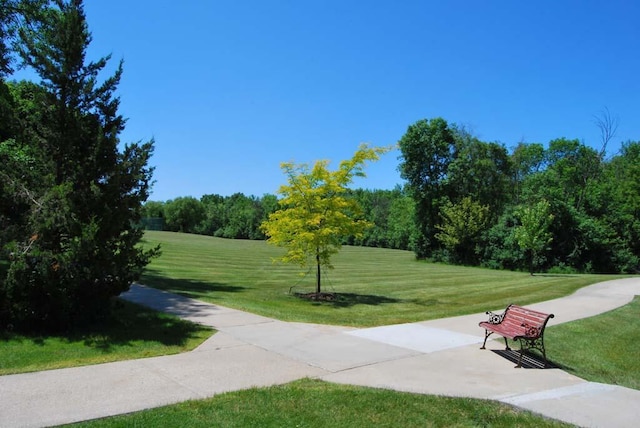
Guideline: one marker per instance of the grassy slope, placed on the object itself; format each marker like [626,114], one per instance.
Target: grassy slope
[309,403]
[377,286]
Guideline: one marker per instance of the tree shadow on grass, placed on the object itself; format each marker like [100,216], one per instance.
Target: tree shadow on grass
[129,325]
[346,300]
[187,287]
[554,275]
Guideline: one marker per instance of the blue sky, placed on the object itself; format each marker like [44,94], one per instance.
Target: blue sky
[229,89]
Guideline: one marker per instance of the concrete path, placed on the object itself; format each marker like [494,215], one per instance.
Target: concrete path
[433,357]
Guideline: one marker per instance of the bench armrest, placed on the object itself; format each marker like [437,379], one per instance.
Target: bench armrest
[495,318]
[531,330]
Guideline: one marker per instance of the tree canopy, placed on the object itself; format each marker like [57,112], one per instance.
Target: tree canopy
[533,233]
[560,207]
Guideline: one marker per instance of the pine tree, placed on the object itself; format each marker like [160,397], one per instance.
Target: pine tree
[81,248]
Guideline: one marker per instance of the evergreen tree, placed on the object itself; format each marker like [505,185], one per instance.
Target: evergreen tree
[80,245]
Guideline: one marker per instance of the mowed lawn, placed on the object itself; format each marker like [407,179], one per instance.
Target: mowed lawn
[374,286]
[313,403]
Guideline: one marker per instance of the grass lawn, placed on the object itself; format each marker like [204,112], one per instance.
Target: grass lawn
[375,286]
[604,348]
[133,332]
[311,403]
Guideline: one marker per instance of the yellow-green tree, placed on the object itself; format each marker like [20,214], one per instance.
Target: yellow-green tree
[461,226]
[533,234]
[315,212]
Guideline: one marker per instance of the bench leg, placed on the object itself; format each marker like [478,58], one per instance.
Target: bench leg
[487,333]
[519,366]
[506,344]
[544,354]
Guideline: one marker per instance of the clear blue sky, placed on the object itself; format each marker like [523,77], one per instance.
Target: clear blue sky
[229,89]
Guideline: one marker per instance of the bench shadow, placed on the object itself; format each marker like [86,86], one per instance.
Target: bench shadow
[530,360]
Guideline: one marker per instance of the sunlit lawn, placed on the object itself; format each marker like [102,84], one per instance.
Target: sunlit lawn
[374,286]
[604,348]
[311,403]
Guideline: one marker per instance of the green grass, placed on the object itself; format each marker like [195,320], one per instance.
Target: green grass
[312,403]
[604,348]
[132,332]
[376,286]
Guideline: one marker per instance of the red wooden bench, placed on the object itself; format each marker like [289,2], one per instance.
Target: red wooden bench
[518,324]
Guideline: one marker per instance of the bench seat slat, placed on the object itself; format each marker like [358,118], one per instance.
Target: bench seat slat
[508,331]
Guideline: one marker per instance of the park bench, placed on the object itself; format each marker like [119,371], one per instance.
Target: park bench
[518,324]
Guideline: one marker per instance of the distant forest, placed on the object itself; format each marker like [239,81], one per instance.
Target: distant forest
[475,203]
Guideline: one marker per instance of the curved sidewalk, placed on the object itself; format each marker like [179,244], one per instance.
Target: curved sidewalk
[433,357]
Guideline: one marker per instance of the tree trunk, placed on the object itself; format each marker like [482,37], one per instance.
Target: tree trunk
[532,255]
[318,272]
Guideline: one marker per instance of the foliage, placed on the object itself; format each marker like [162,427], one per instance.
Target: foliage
[479,171]
[593,201]
[391,215]
[427,148]
[72,198]
[14,14]
[499,249]
[461,227]
[533,233]
[183,214]
[236,216]
[242,216]
[316,213]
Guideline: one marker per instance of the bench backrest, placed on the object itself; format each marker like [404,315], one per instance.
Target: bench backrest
[531,322]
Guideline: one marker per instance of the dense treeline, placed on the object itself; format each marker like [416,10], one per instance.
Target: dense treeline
[239,217]
[236,216]
[564,207]
[472,200]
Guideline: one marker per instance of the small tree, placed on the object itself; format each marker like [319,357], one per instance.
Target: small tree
[533,234]
[461,227]
[315,211]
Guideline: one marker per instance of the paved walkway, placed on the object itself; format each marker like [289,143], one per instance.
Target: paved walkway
[433,357]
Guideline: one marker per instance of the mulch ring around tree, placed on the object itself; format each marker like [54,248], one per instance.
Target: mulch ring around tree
[318,297]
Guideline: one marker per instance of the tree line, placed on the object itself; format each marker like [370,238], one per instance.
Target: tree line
[563,207]
[240,216]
